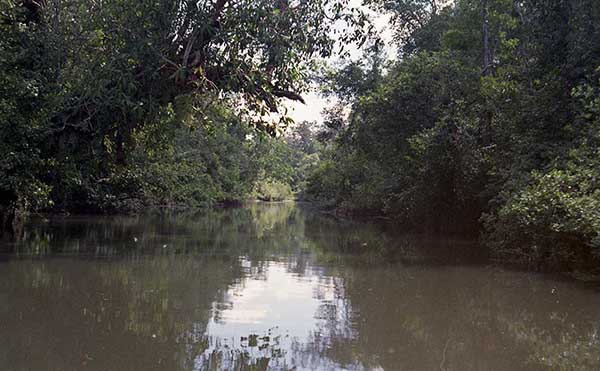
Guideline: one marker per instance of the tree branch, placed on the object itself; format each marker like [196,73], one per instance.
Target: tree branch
[289,95]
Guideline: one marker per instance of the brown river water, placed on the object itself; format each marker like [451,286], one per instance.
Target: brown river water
[277,287]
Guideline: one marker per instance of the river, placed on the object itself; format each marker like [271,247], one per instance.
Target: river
[277,287]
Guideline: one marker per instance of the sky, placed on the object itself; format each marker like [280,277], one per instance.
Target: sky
[315,103]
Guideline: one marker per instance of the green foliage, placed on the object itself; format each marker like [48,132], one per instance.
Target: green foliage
[356,186]
[212,163]
[466,124]
[443,176]
[288,160]
[113,105]
[555,216]
[554,219]
[23,112]
[272,190]
[487,112]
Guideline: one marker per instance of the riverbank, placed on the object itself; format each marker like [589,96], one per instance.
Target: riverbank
[465,244]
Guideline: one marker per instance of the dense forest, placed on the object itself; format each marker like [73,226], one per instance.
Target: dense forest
[114,105]
[485,123]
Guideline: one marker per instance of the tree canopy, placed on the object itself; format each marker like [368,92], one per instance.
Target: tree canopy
[87,85]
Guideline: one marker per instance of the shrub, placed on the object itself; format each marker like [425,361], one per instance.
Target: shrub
[272,190]
[555,220]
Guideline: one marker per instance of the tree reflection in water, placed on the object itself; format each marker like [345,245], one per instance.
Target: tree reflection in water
[276,287]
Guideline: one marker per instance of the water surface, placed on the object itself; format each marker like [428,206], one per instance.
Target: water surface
[276,287]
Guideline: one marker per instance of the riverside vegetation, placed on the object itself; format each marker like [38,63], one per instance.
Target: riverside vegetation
[486,122]
[110,106]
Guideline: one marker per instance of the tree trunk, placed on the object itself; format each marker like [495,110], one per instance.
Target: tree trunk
[12,220]
[487,54]
[487,115]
